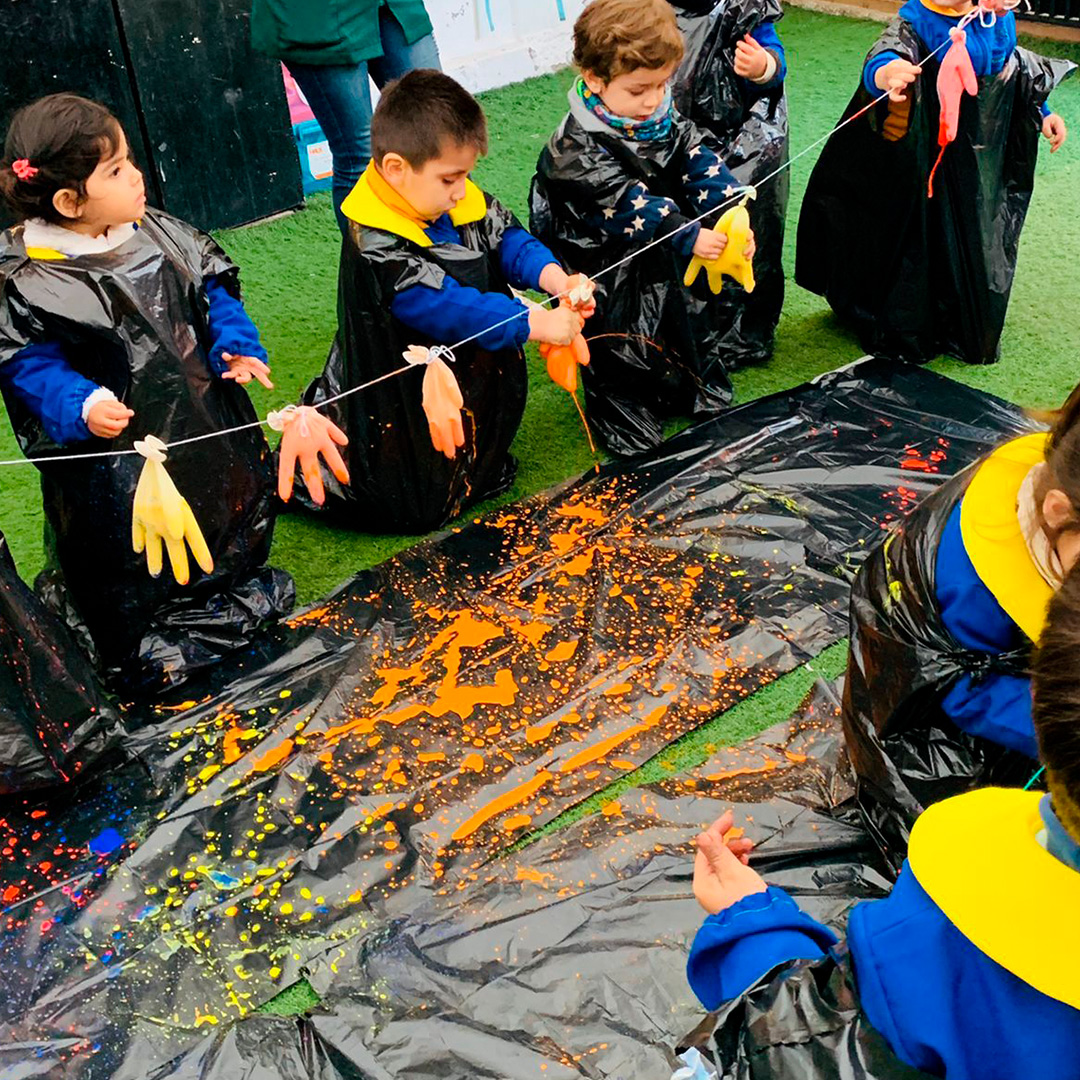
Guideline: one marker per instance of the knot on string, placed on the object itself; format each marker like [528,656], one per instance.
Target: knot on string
[277,419]
[420,355]
[152,448]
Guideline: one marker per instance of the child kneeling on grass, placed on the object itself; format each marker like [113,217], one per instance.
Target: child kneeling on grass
[944,615]
[625,169]
[428,260]
[968,968]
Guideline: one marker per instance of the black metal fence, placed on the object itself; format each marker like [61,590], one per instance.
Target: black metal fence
[1065,12]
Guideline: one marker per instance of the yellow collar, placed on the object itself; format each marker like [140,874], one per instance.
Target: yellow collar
[364,206]
[977,857]
[948,12]
[993,538]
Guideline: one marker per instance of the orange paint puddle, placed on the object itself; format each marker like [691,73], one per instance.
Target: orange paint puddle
[534,733]
[602,749]
[538,877]
[517,821]
[273,757]
[563,651]
[748,770]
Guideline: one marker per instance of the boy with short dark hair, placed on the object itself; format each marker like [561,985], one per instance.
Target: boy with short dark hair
[427,261]
[624,170]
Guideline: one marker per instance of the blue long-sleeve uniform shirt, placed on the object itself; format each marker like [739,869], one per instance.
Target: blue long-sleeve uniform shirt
[917,976]
[43,380]
[997,707]
[456,312]
[988,46]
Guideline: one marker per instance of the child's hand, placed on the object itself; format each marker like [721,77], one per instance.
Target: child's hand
[751,59]
[710,244]
[1053,127]
[582,295]
[106,419]
[555,280]
[896,76]
[751,247]
[558,327]
[245,368]
[722,876]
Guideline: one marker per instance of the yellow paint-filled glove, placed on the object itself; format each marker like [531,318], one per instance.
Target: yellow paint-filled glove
[162,513]
[735,224]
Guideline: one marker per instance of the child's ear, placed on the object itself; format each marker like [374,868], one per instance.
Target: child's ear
[595,84]
[1057,508]
[67,203]
[392,166]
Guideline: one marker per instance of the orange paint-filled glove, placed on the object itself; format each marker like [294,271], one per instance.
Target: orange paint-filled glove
[563,360]
[955,76]
[305,435]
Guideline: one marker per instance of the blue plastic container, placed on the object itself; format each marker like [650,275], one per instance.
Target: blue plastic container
[316,161]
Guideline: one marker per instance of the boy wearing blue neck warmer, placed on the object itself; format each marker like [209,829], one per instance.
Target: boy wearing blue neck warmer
[624,170]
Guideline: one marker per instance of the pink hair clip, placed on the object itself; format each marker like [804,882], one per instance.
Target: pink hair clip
[23,169]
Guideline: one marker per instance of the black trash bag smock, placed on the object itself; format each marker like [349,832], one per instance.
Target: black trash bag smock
[398,481]
[54,720]
[657,346]
[750,125]
[135,320]
[917,276]
[906,752]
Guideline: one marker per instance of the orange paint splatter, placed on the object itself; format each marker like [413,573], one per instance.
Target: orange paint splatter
[517,821]
[273,757]
[425,758]
[474,763]
[502,802]
[602,749]
[534,733]
[563,651]
[612,809]
[538,877]
[748,770]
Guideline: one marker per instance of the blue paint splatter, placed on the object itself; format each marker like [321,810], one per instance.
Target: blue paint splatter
[223,880]
[106,841]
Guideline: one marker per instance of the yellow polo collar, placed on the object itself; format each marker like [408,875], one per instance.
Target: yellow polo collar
[364,207]
[992,536]
[977,857]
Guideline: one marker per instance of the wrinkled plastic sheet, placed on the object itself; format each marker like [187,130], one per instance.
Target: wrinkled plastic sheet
[371,758]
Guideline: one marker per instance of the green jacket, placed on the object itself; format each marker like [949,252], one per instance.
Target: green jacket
[330,31]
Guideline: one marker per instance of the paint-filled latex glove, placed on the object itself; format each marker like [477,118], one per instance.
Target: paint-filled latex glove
[733,260]
[162,513]
[305,435]
[442,406]
[955,76]
[563,360]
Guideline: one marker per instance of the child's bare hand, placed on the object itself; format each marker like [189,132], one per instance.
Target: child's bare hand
[710,244]
[106,419]
[751,247]
[555,327]
[1053,127]
[896,76]
[245,368]
[751,59]
[722,875]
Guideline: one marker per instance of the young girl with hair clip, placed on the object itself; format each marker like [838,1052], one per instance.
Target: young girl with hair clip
[944,614]
[968,968]
[117,322]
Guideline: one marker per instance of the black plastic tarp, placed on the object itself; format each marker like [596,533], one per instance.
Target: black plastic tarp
[750,128]
[369,759]
[920,276]
[147,633]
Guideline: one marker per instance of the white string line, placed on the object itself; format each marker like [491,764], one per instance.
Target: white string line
[518,315]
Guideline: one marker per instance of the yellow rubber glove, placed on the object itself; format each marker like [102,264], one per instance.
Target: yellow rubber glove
[735,224]
[162,513]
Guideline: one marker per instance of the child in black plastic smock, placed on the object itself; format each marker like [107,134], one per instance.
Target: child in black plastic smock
[118,322]
[968,968]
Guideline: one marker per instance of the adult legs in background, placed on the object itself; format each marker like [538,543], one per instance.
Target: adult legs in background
[340,98]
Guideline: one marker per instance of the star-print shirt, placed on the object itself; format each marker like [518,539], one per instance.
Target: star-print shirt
[642,215]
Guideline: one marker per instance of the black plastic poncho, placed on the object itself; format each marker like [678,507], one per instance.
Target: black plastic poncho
[398,481]
[54,720]
[657,347]
[805,1022]
[135,320]
[906,752]
[750,126]
[918,276]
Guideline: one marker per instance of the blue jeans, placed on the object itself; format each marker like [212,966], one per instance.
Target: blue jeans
[340,98]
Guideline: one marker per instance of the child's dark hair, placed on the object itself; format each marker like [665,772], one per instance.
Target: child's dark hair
[56,143]
[1055,686]
[1063,456]
[614,37]
[421,112]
